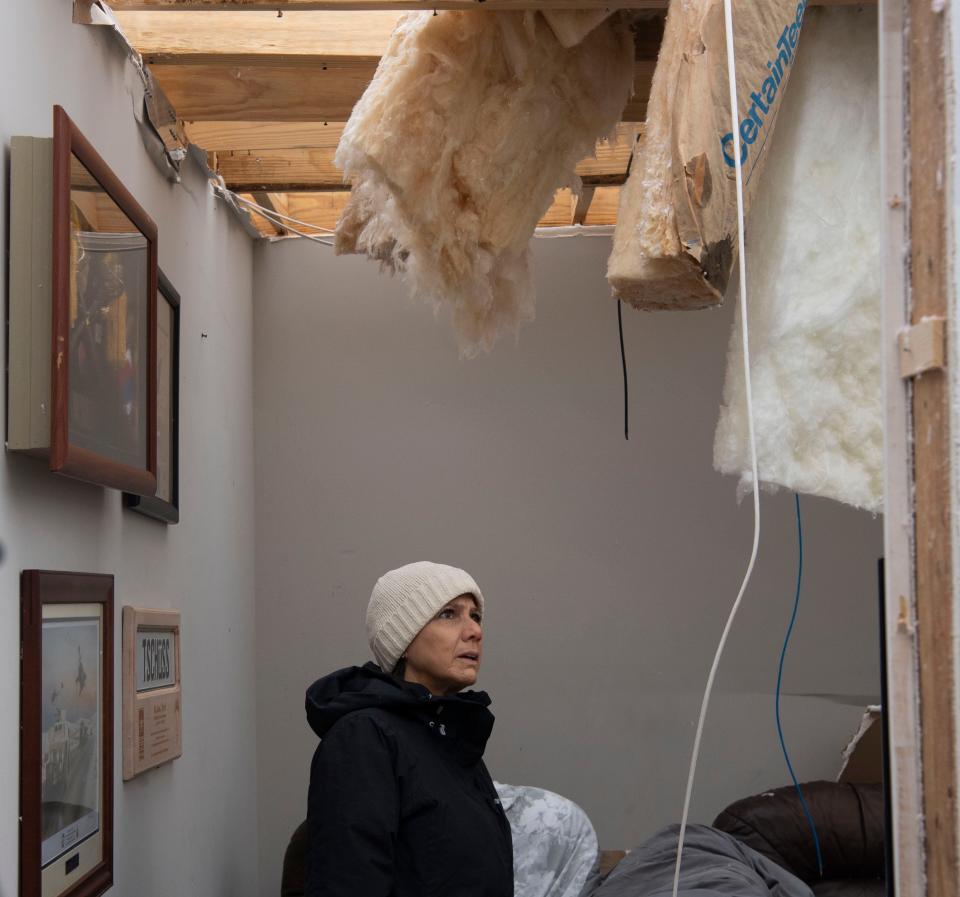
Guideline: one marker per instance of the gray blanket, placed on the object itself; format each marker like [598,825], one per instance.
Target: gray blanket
[715,864]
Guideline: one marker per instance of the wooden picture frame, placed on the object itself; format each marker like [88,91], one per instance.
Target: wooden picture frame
[152,719]
[105,436]
[66,734]
[165,505]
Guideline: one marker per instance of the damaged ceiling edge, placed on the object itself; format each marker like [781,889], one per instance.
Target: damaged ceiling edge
[160,129]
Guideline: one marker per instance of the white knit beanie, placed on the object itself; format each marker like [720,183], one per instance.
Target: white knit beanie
[405,600]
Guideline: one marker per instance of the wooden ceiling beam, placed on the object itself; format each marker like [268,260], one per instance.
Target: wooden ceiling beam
[253,136]
[582,205]
[560,213]
[335,185]
[244,38]
[603,207]
[368,5]
[265,226]
[322,210]
[263,38]
[312,169]
[318,209]
[275,202]
[334,5]
[315,92]
[221,136]
[264,93]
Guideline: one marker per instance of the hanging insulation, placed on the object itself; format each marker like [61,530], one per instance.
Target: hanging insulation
[676,227]
[470,125]
[814,239]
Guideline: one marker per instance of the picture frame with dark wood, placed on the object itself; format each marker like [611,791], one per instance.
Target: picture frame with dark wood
[165,504]
[104,380]
[66,734]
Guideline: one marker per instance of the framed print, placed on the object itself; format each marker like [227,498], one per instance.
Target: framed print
[165,504]
[151,689]
[66,734]
[103,392]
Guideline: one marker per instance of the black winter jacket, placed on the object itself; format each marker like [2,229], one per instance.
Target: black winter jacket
[400,802]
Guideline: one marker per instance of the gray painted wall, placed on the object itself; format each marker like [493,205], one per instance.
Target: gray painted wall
[609,566]
[186,828]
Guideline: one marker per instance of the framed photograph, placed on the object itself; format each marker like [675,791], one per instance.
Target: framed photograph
[66,734]
[165,504]
[151,689]
[103,419]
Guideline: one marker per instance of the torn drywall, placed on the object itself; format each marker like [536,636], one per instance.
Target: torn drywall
[813,252]
[160,129]
[470,125]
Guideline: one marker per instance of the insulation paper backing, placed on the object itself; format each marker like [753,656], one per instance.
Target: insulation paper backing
[677,222]
[813,253]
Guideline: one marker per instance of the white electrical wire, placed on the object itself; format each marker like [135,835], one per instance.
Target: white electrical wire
[274,214]
[277,217]
[574,230]
[735,118]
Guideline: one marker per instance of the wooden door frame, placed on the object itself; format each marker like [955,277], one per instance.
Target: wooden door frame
[918,102]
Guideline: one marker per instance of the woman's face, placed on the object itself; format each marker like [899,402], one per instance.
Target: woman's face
[445,656]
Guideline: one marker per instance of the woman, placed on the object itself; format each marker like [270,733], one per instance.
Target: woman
[400,802]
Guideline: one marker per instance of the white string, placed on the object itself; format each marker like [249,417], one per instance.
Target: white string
[735,118]
[274,214]
[276,217]
[575,230]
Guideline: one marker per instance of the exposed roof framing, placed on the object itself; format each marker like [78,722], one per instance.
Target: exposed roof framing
[239,38]
[323,209]
[281,5]
[265,87]
[311,168]
[309,92]
[303,66]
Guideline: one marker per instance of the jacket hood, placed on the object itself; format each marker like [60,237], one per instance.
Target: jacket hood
[467,721]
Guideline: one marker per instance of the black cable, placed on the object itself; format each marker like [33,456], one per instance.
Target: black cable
[623,362]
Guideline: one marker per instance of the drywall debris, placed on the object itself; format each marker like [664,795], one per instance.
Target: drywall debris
[472,122]
[813,263]
[676,226]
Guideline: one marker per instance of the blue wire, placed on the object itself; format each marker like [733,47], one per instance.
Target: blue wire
[783,655]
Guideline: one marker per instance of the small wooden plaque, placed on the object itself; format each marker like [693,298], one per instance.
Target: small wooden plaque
[151,689]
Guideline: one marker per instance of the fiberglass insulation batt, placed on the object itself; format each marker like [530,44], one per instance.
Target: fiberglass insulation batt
[813,252]
[471,123]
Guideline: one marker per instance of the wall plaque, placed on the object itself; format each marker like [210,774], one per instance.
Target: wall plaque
[151,689]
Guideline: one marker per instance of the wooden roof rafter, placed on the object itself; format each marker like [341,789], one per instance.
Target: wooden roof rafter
[294,69]
[282,6]
[311,169]
[596,206]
